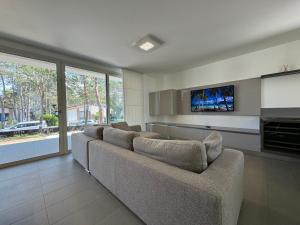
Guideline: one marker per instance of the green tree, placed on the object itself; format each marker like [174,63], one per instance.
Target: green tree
[28,91]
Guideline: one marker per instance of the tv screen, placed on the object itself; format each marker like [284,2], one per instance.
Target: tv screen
[218,99]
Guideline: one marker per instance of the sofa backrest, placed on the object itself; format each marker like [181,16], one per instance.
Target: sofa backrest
[94,132]
[121,126]
[119,137]
[188,155]
[213,146]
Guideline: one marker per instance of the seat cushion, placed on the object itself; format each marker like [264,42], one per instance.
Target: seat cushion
[94,132]
[213,146]
[119,137]
[121,126]
[188,155]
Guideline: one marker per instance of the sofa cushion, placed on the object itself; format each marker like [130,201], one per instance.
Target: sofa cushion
[147,134]
[121,126]
[119,137]
[136,128]
[94,132]
[213,145]
[188,155]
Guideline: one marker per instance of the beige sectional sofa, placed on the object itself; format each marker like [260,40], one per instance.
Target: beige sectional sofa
[80,141]
[163,194]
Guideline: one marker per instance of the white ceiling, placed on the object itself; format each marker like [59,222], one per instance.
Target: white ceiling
[193,30]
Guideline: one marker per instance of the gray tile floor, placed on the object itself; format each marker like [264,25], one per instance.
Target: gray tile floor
[58,191]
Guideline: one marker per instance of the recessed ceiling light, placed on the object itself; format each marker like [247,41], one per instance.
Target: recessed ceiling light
[146,46]
[148,43]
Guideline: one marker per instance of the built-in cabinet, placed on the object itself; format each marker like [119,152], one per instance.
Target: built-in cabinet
[282,135]
[163,102]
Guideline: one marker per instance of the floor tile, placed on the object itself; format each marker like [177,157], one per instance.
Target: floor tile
[17,171]
[277,218]
[15,186]
[253,214]
[22,197]
[64,181]
[255,189]
[121,216]
[58,190]
[21,211]
[283,201]
[39,218]
[70,205]
[69,190]
[59,172]
[54,162]
[92,212]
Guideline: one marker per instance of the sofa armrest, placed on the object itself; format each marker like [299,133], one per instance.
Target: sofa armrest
[226,175]
[80,144]
[136,128]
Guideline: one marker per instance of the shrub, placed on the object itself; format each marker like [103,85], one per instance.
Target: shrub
[50,119]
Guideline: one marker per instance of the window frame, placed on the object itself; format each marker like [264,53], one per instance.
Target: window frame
[107,88]
[61,60]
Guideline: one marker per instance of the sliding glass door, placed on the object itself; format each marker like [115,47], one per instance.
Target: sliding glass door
[37,118]
[29,125]
[86,99]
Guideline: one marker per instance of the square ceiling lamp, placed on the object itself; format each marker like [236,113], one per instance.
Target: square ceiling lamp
[148,43]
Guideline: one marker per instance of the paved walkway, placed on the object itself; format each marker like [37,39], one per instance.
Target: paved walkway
[28,149]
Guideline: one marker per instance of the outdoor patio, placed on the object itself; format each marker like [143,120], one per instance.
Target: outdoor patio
[29,148]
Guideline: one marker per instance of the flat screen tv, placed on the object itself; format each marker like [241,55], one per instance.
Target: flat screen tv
[217,99]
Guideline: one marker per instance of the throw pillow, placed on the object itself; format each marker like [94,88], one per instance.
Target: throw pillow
[188,155]
[213,145]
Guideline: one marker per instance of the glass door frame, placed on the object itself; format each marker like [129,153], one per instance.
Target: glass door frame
[60,102]
[92,69]
[61,60]
[62,108]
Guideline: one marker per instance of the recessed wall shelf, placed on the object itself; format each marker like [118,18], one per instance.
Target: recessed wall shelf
[281,135]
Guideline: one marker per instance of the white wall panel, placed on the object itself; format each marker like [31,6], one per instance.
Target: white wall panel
[134,97]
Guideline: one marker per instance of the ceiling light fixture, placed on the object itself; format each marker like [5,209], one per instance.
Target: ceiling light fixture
[148,43]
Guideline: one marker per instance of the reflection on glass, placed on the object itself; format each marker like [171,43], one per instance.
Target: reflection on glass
[86,99]
[116,99]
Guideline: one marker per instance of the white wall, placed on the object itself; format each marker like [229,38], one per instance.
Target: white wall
[281,92]
[133,97]
[241,67]
[249,65]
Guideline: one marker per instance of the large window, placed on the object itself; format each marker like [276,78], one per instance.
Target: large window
[31,105]
[28,108]
[86,98]
[87,93]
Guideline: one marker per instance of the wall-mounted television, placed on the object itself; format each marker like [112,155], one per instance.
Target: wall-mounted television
[217,99]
